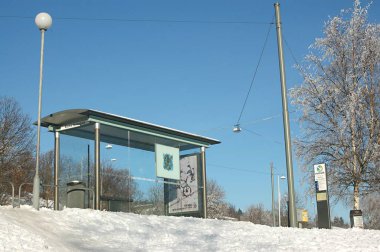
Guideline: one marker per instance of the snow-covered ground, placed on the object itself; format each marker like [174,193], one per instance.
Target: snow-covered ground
[26,229]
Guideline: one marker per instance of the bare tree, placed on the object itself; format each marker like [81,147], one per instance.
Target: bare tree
[233,212]
[216,205]
[340,101]
[284,208]
[371,213]
[339,222]
[118,184]
[156,198]
[16,144]
[258,215]
[46,174]
[16,135]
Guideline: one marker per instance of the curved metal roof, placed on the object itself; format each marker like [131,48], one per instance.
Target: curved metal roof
[65,119]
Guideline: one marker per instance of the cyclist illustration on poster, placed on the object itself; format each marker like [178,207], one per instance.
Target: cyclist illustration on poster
[186,199]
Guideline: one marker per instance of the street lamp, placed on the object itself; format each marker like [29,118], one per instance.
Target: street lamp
[43,22]
[279,198]
[236,128]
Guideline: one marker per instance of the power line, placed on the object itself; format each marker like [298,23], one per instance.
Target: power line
[251,131]
[144,20]
[291,52]
[239,169]
[267,118]
[254,75]
[258,134]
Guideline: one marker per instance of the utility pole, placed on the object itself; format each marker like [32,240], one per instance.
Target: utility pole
[285,115]
[271,174]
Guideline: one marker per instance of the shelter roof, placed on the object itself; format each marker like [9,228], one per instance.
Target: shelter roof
[78,122]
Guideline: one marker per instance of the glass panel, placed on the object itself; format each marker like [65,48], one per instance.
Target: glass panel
[76,171]
[127,176]
[128,181]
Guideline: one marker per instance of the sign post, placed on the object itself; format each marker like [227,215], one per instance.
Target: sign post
[302,217]
[322,197]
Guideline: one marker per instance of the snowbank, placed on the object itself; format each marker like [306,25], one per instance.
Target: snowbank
[26,229]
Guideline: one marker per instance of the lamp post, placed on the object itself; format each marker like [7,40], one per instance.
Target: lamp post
[279,198]
[43,22]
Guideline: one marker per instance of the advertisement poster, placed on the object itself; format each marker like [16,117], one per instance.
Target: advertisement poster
[320,177]
[302,215]
[184,197]
[167,162]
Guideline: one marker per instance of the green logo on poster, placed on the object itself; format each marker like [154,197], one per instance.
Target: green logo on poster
[319,168]
[168,162]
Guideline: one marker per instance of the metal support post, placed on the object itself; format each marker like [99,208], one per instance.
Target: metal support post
[88,177]
[97,166]
[204,181]
[56,169]
[272,183]
[279,200]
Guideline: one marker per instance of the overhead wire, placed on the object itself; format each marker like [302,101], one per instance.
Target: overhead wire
[255,72]
[238,169]
[290,51]
[145,20]
[266,118]
[258,134]
[300,68]
[242,170]
[248,130]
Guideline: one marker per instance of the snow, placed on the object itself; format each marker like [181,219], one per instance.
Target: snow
[25,229]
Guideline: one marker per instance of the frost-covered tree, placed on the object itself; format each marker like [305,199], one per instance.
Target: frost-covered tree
[259,215]
[216,205]
[339,100]
[371,213]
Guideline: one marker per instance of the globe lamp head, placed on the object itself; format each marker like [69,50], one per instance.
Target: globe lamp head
[43,21]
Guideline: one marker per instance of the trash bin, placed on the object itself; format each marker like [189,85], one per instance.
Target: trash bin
[75,194]
[356,218]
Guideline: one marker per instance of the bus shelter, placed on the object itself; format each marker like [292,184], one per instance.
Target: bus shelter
[109,162]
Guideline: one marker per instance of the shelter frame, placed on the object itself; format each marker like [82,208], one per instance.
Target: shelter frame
[97,126]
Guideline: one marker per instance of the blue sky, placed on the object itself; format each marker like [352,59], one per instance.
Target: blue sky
[192,76]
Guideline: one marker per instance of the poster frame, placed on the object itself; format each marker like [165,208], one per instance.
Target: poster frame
[168,187]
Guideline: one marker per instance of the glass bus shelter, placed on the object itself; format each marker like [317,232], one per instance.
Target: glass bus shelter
[108,162]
